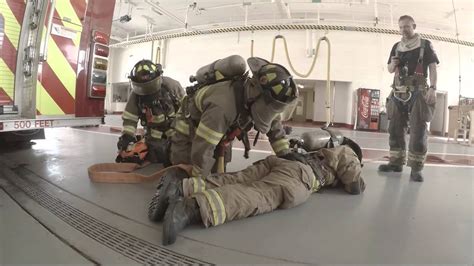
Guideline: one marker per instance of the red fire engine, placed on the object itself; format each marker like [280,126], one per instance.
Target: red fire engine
[53,64]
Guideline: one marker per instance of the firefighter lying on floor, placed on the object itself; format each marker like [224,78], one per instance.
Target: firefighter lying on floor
[272,183]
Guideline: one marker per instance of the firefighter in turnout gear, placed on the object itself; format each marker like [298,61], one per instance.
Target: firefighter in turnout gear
[411,103]
[224,106]
[154,102]
[269,184]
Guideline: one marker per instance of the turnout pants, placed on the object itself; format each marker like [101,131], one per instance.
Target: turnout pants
[181,147]
[267,185]
[417,113]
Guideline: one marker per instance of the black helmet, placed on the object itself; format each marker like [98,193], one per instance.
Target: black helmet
[274,79]
[354,146]
[277,88]
[145,77]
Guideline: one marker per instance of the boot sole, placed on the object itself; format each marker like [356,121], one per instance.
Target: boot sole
[416,180]
[168,228]
[391,170]
[159,204]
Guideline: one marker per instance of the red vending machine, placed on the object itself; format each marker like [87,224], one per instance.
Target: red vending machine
[368,109]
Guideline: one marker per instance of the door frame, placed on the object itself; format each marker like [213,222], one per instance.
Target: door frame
[444,106]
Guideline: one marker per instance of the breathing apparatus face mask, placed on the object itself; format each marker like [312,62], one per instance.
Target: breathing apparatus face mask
[270,91]
[263,107]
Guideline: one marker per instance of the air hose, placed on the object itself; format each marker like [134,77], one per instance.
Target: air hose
[328,77]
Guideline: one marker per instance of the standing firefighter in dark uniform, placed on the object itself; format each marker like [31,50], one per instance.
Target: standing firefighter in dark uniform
[154,102]
[411,102]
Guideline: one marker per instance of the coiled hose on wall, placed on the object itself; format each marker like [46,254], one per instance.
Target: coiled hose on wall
[313,64]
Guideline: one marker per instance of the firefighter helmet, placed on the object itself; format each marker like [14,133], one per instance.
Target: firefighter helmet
[278,91]
[145,77]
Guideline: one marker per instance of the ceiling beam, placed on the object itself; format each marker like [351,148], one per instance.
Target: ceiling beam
[165,12]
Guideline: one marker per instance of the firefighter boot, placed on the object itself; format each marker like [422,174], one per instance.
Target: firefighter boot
[416,176]
[390,168]
[169,189]
[180,213]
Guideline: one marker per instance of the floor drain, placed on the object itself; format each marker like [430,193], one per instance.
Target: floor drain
[128,245]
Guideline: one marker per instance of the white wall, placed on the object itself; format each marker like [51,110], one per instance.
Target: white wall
[356,57]
[123,59]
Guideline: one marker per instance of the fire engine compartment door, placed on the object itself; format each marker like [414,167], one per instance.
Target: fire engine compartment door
[11,18]
[57,75]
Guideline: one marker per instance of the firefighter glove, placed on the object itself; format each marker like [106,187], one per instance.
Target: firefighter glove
[124,141]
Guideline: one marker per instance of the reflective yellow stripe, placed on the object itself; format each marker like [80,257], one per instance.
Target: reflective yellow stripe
[199,95]
[314,183]
[11,25]
[280,145]
[217,206]
[277,89]
[198,184]
[7,79]
[213,207]
[67,13]
[129,129]
[129,116]
[271,76]
[398,154]
[220,204]
[44,103]
[182,127]
[172,114]
[196,171]
[156,134]
[416,157]
[209,135]
[60,65]
[158,119]
[219,75]
[169,132]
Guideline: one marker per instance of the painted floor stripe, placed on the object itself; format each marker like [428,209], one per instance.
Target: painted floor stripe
[426,164]
[437,153]
[269,152]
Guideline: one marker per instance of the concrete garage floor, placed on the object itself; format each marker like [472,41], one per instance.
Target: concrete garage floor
[394,222]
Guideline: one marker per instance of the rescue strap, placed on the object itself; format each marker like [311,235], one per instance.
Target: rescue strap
[246,125]
[146,105]
[419,67]
[406,106]
[315,163]
[256,138]
[211,75]
[333,137]
[237,130]
[124,172]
